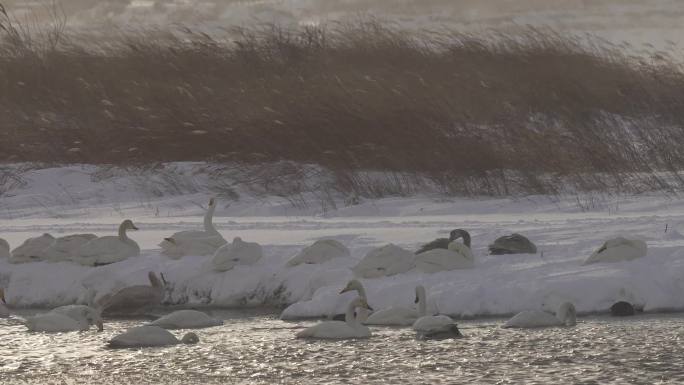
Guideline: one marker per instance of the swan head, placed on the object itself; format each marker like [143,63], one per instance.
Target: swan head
[567,314]
[420,291]
[212,202]
[190,338]
[460,233]
[128,225]
[93,317]
[352,285]
[237,240]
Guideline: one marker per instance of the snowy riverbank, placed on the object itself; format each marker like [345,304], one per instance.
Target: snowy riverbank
[566,230]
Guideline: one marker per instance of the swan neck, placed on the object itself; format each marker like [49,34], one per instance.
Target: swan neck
[362,292]
[209,219]
[349,317]
[122,232]
[422,303]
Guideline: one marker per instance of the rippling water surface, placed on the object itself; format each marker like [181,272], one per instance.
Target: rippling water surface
[256,347]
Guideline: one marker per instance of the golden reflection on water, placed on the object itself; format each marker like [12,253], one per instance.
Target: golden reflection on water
[252,347]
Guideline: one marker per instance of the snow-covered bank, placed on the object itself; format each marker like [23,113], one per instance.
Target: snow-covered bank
[566,231]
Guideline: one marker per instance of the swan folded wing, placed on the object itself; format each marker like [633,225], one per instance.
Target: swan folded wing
[107,249]
[383,261]
[401,316]
[618,249]
[431,322]
[143,336]
[186,319]
[333,330]
[532,319]
[439,243]
[458,256]
[55,323]
[320,252]
[132,299]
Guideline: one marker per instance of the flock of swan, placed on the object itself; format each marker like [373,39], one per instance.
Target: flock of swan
[439,255]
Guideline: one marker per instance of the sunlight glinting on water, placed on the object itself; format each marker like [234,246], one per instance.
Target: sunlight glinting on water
[256,348]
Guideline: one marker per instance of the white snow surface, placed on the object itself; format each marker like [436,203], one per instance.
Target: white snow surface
[68,200]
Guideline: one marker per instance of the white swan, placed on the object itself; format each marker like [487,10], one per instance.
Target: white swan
[237,253]
[361,313]
[320,251]
[186,319]
[618,249]
[400,315]
[65,248]
[109,249]
[443,243]
[4,311]
[385,261]
[32,249]
[4,249]
[134,299]
[91,315]
[195,242]
[430,323]
[350,328]
[148,336]
[565,316]
[55,323]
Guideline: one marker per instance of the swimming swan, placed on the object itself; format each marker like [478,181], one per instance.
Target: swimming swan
[320,251]
[148,336]
[429,323]
[109,249]
[32,249]
[134,299]
[195,242]
[186,319]
[618,249]
[237,253]
[457,256]
[399,315]
[445,332]
[565,316]
[385,261]
[4,311]
[4,249]
[350,328]
[91,315]
[361,313]
[65,248]
[512,244]
[68,318]
[443,243]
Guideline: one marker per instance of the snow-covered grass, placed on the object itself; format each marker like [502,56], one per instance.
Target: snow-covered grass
[565,232]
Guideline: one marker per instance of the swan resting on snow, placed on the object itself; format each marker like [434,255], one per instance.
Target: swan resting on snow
[149,336]
[134,299]
[400,315]
[565,316]
[443,243]
[185,319]
[32,249]
[4,311]
[361,313]
[512,244]
[385,261]
[350,328]
[65,319]
[320,251]
[457,256]
[65,248]
[195,242]
[109,249]
[618,249]
[237,253]
[4,249]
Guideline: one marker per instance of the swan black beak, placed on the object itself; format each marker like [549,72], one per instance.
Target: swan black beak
[416,301]
[134,228]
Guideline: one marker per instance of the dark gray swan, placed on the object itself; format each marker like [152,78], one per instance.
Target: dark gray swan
[512,244]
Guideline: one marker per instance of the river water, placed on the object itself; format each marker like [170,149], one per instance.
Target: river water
[255,347]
